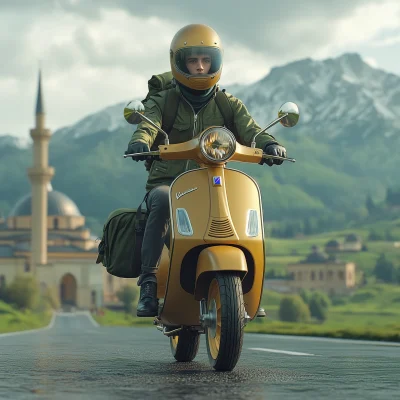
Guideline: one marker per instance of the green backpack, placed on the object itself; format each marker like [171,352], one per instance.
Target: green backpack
[165,81]
[121,244]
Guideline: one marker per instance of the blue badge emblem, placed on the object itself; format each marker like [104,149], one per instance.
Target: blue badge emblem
[217,180]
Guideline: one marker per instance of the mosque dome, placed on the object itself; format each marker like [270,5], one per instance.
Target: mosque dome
[58,205]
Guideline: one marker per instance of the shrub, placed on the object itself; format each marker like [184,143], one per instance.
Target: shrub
[319,304]
[362,296]
[305,295]
[48,300]
[127,295]
[339,300]
[23,292]
[293,309]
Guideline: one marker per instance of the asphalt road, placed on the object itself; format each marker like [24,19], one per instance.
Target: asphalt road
[76,359]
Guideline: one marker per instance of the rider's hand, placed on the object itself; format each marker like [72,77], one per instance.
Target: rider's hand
[137,147]
[274,150]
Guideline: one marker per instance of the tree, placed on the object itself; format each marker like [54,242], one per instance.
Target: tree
[371,207]
[293,309]
[384,270]
[305,295]
[23,292]
[319,304]
[127,295]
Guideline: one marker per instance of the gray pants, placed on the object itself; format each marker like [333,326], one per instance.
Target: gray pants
[156,232]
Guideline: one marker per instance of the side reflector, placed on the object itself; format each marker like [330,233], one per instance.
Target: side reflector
[183,222]
[252,223]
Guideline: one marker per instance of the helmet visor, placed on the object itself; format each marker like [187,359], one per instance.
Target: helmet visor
[204,61]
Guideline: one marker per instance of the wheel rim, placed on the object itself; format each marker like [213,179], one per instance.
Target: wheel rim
[174,341]
[214,310]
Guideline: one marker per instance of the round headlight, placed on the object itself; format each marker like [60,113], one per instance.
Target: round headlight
[217,144]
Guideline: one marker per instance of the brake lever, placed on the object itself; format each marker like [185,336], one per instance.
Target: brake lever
[268,156]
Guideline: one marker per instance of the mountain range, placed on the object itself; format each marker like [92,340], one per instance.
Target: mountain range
[344,145]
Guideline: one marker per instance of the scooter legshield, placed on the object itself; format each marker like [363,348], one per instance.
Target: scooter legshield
[211,207]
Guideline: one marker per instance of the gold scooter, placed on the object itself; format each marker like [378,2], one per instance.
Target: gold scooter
[211,278]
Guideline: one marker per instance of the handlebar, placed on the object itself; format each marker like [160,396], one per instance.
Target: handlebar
[155,155]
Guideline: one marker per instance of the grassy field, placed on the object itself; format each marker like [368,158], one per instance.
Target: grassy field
[12,320]
[370,313]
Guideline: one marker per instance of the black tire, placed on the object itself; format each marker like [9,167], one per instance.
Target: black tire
[224,343]
[185,345]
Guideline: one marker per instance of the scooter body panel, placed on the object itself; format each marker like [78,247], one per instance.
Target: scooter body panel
[217,201]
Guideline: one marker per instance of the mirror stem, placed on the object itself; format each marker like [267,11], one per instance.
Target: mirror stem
[166,140]
[253,140]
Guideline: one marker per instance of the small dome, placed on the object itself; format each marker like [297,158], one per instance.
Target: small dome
[58,204]
[333,243]
[352,237]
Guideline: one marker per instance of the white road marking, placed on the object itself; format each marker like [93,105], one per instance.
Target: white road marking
[326,339]
[291,353]
[31,330]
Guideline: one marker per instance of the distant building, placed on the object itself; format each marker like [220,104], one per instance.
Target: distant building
[352,242]
[333,246]
[45,236]
[320,272]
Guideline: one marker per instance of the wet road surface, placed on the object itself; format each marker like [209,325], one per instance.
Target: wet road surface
[75,359]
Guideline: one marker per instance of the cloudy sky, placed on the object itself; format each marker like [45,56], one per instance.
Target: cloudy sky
[95,53]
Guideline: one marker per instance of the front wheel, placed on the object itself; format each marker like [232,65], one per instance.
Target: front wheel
[225,308]
[184,345]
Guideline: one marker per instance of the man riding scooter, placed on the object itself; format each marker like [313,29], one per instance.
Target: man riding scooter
[196,63]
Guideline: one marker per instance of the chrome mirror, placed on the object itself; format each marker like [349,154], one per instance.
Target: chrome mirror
[290,114]
[134,114]
[132,111]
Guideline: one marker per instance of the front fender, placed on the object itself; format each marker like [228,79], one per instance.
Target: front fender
[216,259]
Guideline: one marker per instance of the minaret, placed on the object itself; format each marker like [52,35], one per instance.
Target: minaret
[40,175]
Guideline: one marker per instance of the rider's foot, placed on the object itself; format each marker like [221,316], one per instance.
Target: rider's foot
[148,303]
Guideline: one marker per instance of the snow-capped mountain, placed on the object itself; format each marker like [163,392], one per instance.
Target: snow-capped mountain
[110,119]
[14,141]
[337,97]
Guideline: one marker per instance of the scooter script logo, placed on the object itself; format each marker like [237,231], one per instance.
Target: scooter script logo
[179,194]
[217,180]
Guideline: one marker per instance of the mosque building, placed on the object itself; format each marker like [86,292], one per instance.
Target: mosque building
[45,236]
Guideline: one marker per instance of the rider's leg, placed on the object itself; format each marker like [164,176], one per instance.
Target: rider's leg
[153,242]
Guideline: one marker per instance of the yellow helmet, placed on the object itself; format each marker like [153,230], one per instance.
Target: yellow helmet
[194,40]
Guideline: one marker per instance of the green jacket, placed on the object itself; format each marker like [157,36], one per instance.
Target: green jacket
[186,126]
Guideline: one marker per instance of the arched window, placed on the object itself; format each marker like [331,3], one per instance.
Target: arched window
[313,276]
[55,223]
[27,266]
[341,275]
[321,275]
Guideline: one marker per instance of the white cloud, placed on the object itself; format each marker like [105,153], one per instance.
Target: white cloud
[388,41]
[361,27]
[93,56]
[371,61]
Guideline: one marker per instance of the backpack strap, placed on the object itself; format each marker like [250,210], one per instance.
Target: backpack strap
[170,110]
[225,108]
[168,116]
